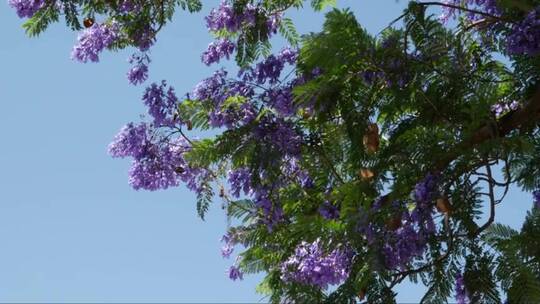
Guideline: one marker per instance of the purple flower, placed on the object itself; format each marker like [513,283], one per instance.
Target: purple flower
[161,103]
[156,164]
[144,38]
[279,134]
[536,196]
[426,190]
[225,18]
[461,293]
[225,111]
[229,241]
[139,72]
[131,141]
[211,87]
[329,211]
[487,6]
[270,69]
[217,50]
[26,8]
[163,166]
[128,6]
[271,212]
[235,273]
[240,181]
[311,265]
[403,244]
[525,36]
[281,99]
[93,40]
[503,107]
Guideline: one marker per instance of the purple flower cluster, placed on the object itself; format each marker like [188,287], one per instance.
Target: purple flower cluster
[93,40]
[329,211]
[225,18]
[403,236]
[161,102]
[217,50]
[270,69]
[536,196]
[291,167]
[311,265]
[502,107]
[131,141]
[128,6]
[461,293]
[26,8]
[144,38]
[279,134]
[139,72]
[525,36]
[229,240]
[487,6]
[157,164]
[218,90]
[426,190]
[409,239]
[235,273]
[405,243]
[240,181]
[270,211]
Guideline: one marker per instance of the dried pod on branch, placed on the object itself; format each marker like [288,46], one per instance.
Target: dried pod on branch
[371,138]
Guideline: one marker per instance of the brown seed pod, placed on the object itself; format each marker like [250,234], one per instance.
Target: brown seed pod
[88,22]
[362,294]
[443,205]
[179,170]
[366,174]
[371,138]
[306,115]
[189,125]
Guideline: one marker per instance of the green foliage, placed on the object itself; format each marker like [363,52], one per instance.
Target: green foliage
[518,261]
[429,90]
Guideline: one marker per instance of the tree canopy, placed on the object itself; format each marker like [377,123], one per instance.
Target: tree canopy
[347,162]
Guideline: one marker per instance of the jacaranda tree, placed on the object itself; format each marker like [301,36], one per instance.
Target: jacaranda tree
[347,162]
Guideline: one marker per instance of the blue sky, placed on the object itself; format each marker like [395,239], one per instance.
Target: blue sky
[71,228]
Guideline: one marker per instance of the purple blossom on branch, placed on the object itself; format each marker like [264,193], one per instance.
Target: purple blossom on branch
[271,213]
[536,196]
[311,265]
[240,181]
[139,72]
[26,8]
[217,50]
[235,273]
[161,102]
[426,190]
[525,36]
[131,141]
[229,240]
[93,41]
[461,293]
[486,6]
[329,211]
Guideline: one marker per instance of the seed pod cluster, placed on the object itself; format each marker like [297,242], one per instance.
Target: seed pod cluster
[88,22]
[443,205]
[371,138]
[366,174]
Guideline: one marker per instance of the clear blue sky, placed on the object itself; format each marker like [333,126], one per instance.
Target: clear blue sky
[71,229]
